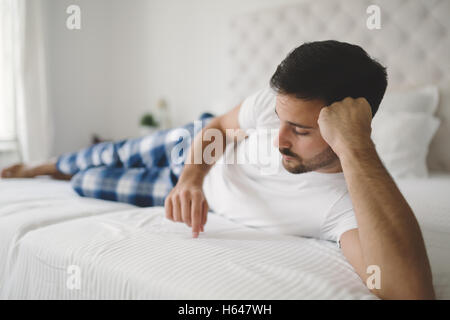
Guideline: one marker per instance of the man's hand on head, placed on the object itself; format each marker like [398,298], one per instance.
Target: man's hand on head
[346,125]
[388,234]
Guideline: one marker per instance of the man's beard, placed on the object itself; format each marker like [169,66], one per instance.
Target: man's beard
[298,165]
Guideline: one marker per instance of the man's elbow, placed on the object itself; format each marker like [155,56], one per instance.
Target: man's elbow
[405,292]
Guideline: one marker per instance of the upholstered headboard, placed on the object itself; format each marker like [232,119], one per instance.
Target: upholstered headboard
[413,41]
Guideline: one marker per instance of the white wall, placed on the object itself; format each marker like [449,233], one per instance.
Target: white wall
[79,71]
[128,54]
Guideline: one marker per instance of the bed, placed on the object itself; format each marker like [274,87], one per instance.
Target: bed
[124,252]
[56,245]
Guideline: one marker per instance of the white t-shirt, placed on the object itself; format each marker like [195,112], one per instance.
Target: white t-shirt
[268,197]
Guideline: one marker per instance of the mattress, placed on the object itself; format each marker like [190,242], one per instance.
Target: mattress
[49,236]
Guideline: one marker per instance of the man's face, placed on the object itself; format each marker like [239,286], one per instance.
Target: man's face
[299,139]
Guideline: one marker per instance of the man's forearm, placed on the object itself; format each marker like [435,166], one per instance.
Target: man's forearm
[186,202]
[195,168]
[389,234]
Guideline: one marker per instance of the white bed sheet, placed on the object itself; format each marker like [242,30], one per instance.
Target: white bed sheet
[125,252]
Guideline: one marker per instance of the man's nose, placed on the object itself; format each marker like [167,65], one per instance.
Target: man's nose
[281,141]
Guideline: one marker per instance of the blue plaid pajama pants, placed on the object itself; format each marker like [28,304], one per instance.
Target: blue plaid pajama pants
[139,171]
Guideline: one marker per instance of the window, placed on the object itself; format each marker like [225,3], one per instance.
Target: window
[7,101]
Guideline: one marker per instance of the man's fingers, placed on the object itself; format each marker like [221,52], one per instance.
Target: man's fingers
[168,206]
[196,216]
[205,212]
[186,208]
[176,208]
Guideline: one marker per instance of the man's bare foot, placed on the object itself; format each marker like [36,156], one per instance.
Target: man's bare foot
[61,176]
[23,171]
[17,171]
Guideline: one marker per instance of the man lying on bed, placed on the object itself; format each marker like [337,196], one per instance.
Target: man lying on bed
[333,186]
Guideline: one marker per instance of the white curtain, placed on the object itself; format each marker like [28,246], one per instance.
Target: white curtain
[33,123]
[7,110]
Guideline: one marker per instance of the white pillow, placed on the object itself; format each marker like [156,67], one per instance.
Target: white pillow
[424,100]
[402,140]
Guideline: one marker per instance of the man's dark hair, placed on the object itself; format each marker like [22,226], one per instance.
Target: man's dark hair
[331,71]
